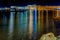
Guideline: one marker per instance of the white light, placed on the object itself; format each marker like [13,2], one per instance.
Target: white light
[2,9]
[13,6]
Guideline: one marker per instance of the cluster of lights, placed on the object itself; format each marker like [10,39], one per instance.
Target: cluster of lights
[18,7]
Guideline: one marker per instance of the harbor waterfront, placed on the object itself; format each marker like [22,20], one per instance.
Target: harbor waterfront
[29,22]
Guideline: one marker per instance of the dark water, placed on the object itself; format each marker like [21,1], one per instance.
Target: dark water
[15,26]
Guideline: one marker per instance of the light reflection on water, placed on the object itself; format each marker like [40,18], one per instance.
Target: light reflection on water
[4,23]
[20,24]
[17,28]
[11,26]
[34,25]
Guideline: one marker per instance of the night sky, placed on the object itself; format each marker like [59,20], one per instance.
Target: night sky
[27,2]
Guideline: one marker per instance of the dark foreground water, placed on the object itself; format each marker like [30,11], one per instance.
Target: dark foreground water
[15,26]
